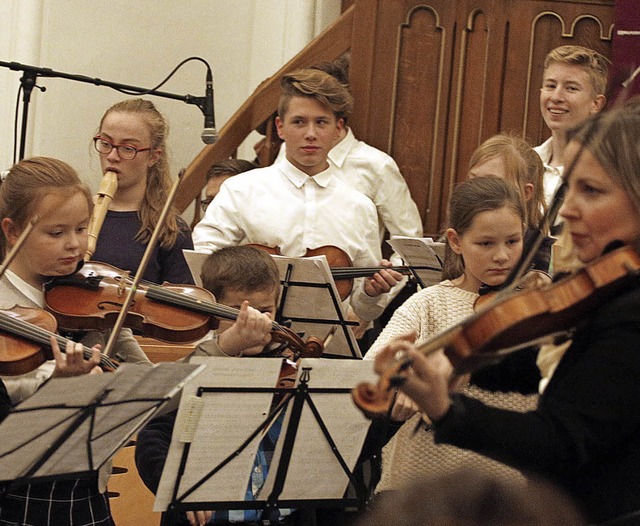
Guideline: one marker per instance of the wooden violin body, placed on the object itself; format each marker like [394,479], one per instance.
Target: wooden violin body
[342,268]
[91,300]
[515,321]
[25,341]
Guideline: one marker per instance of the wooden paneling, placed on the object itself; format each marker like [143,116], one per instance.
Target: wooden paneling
[433,79]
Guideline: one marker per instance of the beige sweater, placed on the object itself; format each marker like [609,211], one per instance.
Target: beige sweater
[410,455]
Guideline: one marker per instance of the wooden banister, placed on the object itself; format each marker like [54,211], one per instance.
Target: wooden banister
[329,45]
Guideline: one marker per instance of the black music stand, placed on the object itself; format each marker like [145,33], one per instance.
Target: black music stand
[71,427]
[311,303]
[320,433]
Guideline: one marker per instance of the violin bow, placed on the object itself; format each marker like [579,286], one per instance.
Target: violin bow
[117,327]
[18,244]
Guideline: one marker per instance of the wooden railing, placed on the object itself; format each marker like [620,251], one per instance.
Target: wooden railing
[329,45]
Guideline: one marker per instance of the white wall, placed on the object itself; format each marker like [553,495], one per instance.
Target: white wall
[139,43]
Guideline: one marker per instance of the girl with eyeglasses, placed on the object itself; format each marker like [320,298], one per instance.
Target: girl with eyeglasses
[131,141]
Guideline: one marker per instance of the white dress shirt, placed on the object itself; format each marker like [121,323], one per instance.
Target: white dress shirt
[375,174]
[552,174]
[281,206]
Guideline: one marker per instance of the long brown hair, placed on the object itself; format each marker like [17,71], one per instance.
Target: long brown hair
[470,198]
[158,176]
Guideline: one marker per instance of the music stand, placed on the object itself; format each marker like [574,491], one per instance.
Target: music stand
[309,299]
[312,303]
[218,431]
[72,426]
[421,252]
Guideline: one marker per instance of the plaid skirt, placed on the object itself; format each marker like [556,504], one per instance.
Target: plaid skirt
[57,503]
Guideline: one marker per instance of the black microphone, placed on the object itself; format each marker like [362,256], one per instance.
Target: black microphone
[209,134]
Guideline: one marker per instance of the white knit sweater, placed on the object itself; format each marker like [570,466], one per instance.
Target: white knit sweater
[410,455]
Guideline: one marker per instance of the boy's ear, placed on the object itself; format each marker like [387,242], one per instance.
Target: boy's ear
[454,240]
[598,103]
[279,127]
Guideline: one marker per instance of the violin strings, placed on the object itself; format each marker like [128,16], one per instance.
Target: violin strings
[198,305]
[41,336]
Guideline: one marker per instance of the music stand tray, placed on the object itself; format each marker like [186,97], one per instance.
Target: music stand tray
[72,426]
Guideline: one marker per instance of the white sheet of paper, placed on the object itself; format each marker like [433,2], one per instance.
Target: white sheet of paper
[316,303]
[420,251]
[46,417]
[227,420]
[347,425]
[194,262]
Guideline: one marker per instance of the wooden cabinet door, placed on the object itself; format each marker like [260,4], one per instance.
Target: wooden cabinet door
[438,77]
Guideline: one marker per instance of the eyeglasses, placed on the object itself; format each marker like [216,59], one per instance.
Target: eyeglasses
[125,151]
[205,203]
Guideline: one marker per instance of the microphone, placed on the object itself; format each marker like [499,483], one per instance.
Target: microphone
[209,134]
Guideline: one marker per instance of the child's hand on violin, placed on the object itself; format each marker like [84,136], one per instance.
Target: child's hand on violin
[199,518]
[248,335]
[72,361]
[382,281]
[425,379]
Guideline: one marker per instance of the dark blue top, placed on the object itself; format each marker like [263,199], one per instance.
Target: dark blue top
[117,247]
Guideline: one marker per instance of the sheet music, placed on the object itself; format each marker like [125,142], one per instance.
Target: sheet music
[194,262]
[316,303]
[346,423]
[226,421]
[45,417]
[421,251]
[303,301]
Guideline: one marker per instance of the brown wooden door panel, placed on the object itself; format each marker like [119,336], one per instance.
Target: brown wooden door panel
[433,79]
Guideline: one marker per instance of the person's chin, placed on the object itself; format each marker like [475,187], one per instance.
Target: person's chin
[66,269]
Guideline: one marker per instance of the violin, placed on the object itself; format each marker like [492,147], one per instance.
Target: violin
[92,298]
[26,341]
[515,321]
[342,268]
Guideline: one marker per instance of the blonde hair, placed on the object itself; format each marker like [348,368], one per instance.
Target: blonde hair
[523,166]
[317,85]
[158,176]
[28,181]
[612,138]
[594,63]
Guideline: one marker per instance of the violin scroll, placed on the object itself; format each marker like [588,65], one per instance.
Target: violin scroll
[377,400]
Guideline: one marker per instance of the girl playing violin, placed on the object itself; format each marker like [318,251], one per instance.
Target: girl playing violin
[484,243]
[51,190]
[583,435]
[132,142]
[511,158]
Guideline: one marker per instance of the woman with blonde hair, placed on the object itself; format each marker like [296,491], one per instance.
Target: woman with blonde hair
[131,141]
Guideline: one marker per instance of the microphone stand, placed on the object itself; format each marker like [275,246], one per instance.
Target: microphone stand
[31,73]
